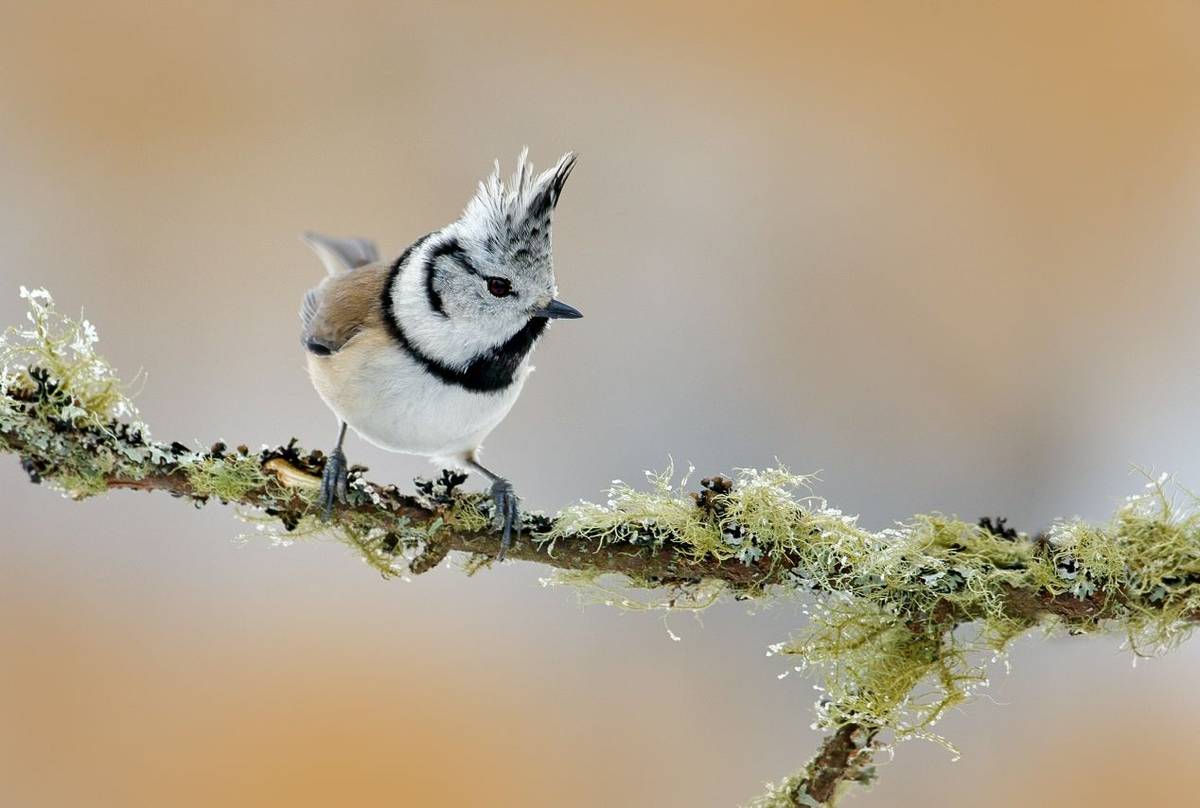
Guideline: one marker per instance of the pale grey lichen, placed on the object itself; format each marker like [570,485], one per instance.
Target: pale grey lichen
[903,620]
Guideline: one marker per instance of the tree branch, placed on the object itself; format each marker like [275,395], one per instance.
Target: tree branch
[662,562]
[288,475]
[889,601]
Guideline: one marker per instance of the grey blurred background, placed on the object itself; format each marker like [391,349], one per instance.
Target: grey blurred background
[945,253]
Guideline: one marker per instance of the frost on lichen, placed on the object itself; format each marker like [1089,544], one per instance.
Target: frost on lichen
[63,350]
[60,397]
[752,517]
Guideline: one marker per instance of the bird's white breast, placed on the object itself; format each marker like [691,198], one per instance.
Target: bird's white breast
[393,402]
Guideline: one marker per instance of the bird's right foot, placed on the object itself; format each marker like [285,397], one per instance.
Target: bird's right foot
[508,517]
[334,482]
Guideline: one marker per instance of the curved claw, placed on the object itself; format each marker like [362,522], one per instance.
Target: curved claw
[508,518]
[334,482]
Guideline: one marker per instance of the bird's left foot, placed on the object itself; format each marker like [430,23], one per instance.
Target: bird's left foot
[334,482]
[508,518]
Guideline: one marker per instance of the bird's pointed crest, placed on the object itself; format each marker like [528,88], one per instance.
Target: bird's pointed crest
[512,219]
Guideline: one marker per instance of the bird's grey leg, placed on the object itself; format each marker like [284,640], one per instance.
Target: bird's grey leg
[508,518]
[335,477]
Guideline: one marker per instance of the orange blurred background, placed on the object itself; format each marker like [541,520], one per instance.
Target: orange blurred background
[944,251]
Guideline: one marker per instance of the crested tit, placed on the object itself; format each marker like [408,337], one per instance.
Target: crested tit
[426,354]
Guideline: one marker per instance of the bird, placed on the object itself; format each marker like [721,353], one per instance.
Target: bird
[425,355]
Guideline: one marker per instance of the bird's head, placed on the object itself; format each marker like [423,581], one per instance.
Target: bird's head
[494,265]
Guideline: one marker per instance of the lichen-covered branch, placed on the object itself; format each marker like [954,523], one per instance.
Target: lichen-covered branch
[903,619]
[844,759]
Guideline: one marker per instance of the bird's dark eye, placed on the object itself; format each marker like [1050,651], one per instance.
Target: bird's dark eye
[500,287]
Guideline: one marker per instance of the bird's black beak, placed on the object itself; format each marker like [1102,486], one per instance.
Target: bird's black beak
[557,310]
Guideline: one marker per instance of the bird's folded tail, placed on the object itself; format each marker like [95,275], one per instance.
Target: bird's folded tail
[341,254]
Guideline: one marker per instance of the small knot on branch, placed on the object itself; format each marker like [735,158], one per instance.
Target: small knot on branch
[712,498]
[999,528]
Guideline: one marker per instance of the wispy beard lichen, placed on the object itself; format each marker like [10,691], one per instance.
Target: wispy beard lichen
[903,621]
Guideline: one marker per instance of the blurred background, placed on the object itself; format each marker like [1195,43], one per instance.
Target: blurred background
[944,252]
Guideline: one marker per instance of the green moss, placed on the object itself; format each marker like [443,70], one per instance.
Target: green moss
[229,478]
[81,483]
[466,515]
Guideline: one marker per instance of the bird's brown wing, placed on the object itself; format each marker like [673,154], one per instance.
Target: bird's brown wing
[341,306]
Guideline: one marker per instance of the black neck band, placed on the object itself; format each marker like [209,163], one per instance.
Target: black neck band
[491,371]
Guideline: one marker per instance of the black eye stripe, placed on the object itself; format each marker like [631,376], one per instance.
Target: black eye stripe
[461,257]
[498,286]
[454,250]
